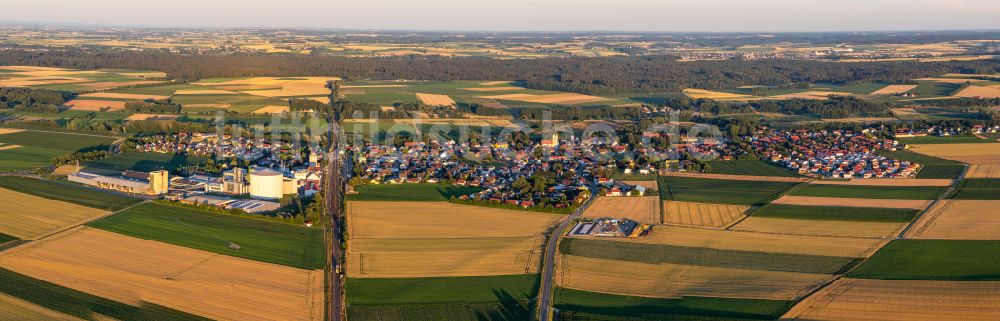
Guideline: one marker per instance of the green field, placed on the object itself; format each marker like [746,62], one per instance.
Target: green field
[471,289]
[978,189]
[4,238]
[67,192]
[943,140]
[409,192]
[700,256]
[930,88]
[257,239]
[748,167]
[719,191]
[933,167]
[836,213]
[145,162]
[875,192]
[589,306]
[493,297]
[80,304]
[933,260]
[38,148]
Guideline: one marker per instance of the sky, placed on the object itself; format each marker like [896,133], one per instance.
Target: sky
[520,15]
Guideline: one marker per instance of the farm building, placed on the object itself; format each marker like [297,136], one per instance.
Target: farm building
[610,227]
[154,183]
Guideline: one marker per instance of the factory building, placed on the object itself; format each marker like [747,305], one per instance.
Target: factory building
[266,184]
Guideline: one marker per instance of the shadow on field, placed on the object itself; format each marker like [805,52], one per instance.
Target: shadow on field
[509,309]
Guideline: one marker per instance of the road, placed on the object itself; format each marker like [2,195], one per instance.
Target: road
[333,194]
[551,247]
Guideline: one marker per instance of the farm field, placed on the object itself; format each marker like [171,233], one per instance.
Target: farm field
[893,89]
[398,219]
[932,140]
[130,270]
[207,231]
[67,192]
[78,305]
[27,217]
[28,149]
[836,213]
[699,256]
[819,227]
[934,167]
[888,182]
[408,192]
[583,305]
[4,238]
[672,280]
[71,79]
[702,214]
[396,239]
[441,298]
[959,220]
[719,191]
[849,298]
[642,209]
[718,95]
[978,188]
[748,167]
[873,192]
[759,242]
[954,260]
[984,157]
[389,93]
[12,308]
[851,202]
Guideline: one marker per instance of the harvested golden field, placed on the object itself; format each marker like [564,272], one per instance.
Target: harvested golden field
[124,96]
[983,171]
[673,280]
[504,88]
[888,182]
[95,105]
[426,239]
[563,98]
[760,242]
[145,74]
[973,153]
[267,81]
[150,117]
[27,216]
[435,100]
[716,95]
[132,270]
[6,147]
[702,214]
[12,308]
[819,228]
[649,185]
[10,130]
[979,92]
[903,300]
[271,110]
[205,92]
[32,68]
[494,83]
[815,95]
[738,177]
[851,202]
[642,209]
[442,220]
[388,258]
[894,89]
[959,220]
[38,81]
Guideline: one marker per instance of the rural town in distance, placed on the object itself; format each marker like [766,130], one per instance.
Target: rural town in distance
[463,160]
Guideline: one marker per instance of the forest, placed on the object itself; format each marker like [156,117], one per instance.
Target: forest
[595,76]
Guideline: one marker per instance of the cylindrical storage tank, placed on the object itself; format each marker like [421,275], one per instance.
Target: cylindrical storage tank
[265,184]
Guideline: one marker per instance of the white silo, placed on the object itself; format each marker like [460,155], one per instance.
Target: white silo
[265,184]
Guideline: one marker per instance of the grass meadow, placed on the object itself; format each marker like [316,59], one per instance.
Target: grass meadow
[258,240]
[67,192]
